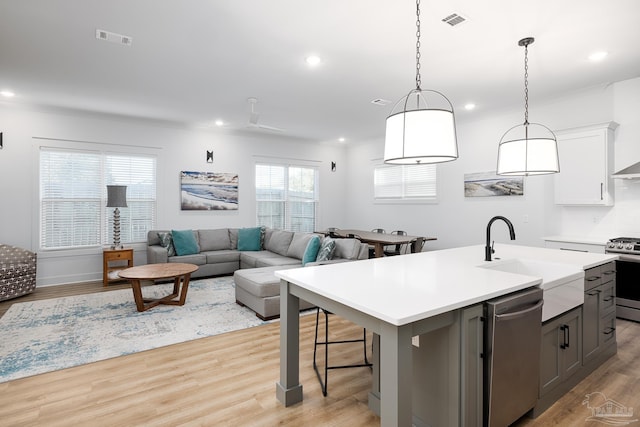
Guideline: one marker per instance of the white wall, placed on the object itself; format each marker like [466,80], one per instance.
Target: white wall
[178,149]
[346,195]
[457,220]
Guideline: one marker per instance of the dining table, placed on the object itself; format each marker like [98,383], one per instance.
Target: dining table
[380,240]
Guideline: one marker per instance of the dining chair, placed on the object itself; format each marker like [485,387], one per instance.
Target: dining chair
[326,343]
[372,249]
[398,249]
[332,232]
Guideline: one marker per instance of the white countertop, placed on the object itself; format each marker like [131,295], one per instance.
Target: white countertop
[600,241]
[403,289]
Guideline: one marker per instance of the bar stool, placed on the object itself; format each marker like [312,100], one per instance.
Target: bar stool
[326,343]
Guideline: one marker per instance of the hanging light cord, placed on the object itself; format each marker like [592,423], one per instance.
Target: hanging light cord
[526,84]
[418,79]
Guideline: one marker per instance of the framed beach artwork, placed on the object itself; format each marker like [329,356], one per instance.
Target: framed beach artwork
[488,184]
[208,191]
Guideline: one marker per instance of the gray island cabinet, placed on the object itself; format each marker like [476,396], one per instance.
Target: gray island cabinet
[575,343]
[438,296]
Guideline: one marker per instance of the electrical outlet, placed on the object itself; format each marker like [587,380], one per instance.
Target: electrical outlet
[525,218]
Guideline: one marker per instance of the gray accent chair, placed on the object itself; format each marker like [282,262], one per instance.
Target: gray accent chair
[17,272]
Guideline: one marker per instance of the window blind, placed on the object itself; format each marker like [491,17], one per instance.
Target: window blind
[405,182]
[73,197]
[286,197]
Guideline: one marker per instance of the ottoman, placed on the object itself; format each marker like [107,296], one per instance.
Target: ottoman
[259,289]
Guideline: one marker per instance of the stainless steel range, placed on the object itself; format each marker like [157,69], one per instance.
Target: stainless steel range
[627,276]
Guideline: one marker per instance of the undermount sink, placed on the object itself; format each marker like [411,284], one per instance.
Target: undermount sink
[562,284]
[552,274]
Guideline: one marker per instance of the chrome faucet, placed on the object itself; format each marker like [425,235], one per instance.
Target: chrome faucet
[488,249]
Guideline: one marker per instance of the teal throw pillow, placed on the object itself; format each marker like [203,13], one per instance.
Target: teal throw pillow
[185,242]
[167,242]
[311,252]
[326,250]
[250,239]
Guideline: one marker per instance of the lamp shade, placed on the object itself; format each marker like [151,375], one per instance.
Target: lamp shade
[116,196]
[528,149]
[423,131]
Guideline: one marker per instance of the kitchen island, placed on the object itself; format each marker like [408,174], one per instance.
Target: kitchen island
[398,298]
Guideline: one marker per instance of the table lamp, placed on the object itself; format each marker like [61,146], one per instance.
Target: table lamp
[116,198]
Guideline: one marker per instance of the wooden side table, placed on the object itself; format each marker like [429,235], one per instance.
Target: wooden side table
[110,272]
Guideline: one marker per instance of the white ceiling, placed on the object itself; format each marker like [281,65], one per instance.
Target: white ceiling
[193,61]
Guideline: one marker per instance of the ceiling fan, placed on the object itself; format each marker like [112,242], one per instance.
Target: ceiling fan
[254,117]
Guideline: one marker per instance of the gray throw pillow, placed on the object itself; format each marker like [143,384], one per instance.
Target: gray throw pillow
[214,240]
[326,249]
[166,241]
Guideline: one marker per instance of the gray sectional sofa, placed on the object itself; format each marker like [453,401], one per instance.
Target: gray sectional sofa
[256,285]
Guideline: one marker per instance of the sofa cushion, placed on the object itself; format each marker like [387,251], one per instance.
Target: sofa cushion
[347,248]
[166,241]
[197,259]
[327,248]
[298,245]
[249,239]
[311,251]
[259,281]
[214,240]
[233,238]
[216,257]
[278,241]
[185,242]
[277,260]
[250,258]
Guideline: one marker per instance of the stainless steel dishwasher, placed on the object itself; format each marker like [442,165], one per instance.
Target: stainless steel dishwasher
[511,356]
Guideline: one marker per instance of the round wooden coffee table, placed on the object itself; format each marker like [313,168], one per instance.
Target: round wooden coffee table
[180,273]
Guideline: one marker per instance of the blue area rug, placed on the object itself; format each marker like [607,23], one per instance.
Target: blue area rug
[43,336]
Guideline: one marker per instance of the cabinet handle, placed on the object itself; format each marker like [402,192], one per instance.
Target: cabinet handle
[609,272]
[609,331]
[565,336]
[596,292]
[574,250]
[607,299]
[592,278]
[602,191]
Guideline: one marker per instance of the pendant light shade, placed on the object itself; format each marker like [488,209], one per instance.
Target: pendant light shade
[529,148]
[421,127]
[422,131]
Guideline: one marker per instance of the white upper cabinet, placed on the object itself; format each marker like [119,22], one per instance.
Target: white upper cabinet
[586,165]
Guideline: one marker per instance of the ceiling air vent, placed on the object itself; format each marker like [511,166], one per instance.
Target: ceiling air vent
[454,19]
[380,101]
[114,37]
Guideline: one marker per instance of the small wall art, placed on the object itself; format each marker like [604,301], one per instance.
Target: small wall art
[208,191]
[488,184]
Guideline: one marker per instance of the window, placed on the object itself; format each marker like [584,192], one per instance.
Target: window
[393,183]
[73,197]
[286,197]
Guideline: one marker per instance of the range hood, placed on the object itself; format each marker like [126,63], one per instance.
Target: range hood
[631,172]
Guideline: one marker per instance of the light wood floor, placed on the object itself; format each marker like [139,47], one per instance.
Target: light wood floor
[229,380]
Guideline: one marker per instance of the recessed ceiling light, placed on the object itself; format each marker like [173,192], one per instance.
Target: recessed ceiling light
[312,60]
[598,56]
[341,139]
[469,106]
[219,122]
[7,93]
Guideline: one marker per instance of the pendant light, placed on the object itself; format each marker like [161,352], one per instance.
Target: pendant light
[421,127]
[529,148]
